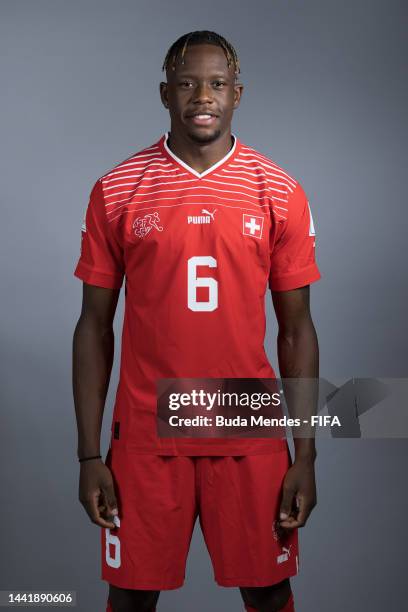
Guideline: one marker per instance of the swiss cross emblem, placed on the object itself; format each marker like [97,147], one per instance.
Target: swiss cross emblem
[252,225]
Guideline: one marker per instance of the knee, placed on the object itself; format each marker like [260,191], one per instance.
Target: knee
[267,599]
[132,600]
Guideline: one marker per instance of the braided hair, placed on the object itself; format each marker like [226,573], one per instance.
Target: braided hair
[196,38]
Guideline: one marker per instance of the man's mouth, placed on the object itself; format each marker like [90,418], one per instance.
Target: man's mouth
[202,119]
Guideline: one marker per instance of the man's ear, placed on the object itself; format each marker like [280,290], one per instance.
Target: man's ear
[163,94]
[238,89]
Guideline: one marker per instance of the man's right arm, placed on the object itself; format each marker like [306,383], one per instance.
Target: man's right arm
[93,351]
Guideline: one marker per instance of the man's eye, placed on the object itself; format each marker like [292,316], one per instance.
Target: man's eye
[219,83]
[185,83]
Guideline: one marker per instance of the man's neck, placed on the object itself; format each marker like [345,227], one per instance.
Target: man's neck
[200,156]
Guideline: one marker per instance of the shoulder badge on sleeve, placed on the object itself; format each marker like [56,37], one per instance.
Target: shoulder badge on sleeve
[312,231]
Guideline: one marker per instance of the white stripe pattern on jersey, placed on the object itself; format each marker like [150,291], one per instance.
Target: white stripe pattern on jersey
[145,172]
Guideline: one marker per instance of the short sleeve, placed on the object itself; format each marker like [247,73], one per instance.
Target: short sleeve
[101,260]
[293,261]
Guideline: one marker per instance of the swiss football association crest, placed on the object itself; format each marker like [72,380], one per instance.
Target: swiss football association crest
[252,225]
[144,225]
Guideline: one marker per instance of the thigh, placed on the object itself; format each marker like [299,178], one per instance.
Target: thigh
[239,510]
[129,600]
[156,502]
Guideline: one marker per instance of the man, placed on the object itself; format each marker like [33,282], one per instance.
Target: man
[199,224]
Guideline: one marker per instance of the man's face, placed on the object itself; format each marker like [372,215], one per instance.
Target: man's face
[202,85]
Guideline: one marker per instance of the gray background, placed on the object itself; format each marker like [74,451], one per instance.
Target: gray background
[325,97]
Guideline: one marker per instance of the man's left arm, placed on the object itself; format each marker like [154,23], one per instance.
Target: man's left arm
[298,356]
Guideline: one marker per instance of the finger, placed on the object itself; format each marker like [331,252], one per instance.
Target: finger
[301,510]
[305,508]
[91,507]
[292,525]
[289,524]
[103,511]
[286,503]
[109,498]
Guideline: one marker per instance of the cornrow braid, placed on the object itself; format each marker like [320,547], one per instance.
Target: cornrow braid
[196,38]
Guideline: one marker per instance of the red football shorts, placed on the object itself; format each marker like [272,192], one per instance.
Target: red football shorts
[159,498]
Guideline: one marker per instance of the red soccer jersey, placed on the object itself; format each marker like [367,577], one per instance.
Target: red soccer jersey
[198,252]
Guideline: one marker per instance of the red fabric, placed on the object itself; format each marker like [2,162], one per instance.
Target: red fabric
[160,498]
[198,252]
[289,606]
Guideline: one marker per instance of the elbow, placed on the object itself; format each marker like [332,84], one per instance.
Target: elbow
[293,334]
[91,325]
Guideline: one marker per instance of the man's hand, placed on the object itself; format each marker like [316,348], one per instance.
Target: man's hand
[299,494]
[97,494]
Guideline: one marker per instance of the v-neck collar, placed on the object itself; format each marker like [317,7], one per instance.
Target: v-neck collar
[225,160]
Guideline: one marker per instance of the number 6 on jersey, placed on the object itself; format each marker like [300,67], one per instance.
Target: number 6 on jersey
[202,281]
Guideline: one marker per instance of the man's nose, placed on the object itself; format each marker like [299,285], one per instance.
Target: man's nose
[203,92]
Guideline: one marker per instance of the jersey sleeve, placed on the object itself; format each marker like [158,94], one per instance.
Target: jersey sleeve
[101,260]
[293,261]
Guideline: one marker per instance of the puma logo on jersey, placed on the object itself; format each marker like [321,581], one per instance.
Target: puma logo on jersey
[285,555]
[204,211]
[205,217]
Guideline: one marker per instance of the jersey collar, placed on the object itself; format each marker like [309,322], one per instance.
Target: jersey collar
[232,153]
